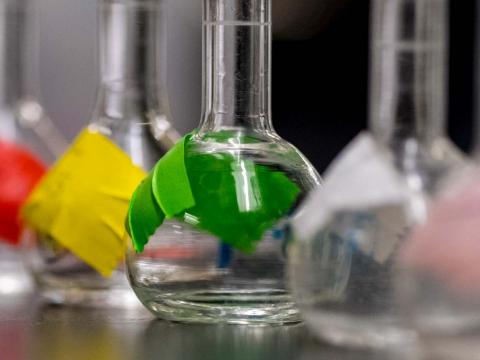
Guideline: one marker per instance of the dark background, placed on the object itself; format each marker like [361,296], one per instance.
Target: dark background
[320,84]
[320,74]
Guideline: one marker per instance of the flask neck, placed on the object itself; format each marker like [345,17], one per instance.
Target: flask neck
[408,73]
[129,42]
[12,16]
[22,118]
[236,65]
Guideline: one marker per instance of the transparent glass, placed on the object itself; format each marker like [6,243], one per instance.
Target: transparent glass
[28,139]
[132,111]
[343,270]
[188,274]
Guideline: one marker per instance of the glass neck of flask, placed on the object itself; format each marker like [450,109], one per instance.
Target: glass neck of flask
[408,73]
[22,118]
[129,41]
[11,25]
[236,65]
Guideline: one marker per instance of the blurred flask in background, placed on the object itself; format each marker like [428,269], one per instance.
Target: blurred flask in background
[348,238]
[439,287]
[77,260]
[29,142]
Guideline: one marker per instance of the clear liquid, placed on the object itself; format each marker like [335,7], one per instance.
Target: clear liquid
[183,275]
[187,274]
[445,317]
[64,279]
[344,278]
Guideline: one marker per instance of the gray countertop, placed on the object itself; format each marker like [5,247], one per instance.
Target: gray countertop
[30,330]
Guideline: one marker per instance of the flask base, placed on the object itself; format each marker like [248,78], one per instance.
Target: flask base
[266,307]
[463,346]
[360,332]
[95,298]
[103,293]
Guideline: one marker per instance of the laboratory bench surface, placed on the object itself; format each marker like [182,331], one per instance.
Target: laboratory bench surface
[31,330]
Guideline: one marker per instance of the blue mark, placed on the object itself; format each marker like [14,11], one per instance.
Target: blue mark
[278,234]
[225,255]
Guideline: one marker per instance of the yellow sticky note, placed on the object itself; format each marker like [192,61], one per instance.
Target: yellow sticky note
[83,200]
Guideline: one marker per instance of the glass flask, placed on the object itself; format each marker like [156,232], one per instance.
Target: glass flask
[28,139]
[439,285]
[132,111]
[347,238]
[193,269]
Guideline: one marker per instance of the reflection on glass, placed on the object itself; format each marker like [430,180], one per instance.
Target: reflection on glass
[220,342]
[78,334]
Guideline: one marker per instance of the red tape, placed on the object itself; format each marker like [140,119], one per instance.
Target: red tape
[20,171]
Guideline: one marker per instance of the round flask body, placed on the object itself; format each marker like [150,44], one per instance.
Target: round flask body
[344,271]
[343,277]
[223,260]
[61,276]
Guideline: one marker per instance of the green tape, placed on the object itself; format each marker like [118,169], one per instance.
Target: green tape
[144,215]
[171,186]
[232,198]
[237,200]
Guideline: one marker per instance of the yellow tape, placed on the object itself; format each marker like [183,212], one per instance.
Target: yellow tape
[83,200]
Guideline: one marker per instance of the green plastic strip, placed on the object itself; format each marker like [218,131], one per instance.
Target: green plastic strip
[230,197]
[163,194]
[171,186]
[238,200]
[144,215]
